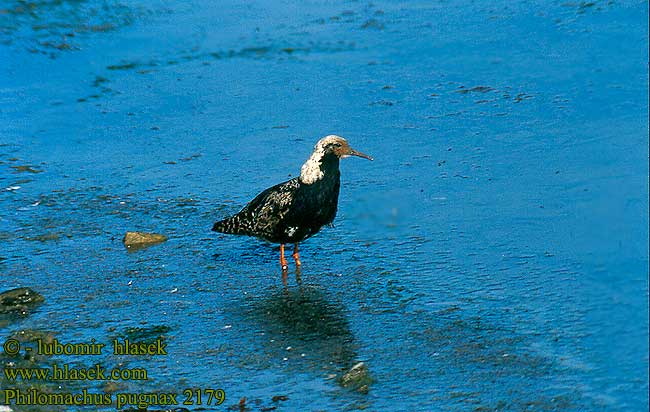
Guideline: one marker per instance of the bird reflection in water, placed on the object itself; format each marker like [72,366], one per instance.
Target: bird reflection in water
[302,323]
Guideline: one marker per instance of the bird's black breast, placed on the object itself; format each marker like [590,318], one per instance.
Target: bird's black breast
[313,207]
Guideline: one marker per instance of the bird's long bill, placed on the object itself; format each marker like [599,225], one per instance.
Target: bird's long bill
[355,153]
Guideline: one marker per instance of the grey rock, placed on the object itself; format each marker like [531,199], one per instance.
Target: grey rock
[19,300]
[357,378]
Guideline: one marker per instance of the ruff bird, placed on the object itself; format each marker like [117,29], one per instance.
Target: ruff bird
[295,210]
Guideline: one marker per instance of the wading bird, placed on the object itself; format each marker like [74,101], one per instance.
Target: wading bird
[295,210]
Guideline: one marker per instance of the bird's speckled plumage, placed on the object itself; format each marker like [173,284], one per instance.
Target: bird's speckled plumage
[293,211]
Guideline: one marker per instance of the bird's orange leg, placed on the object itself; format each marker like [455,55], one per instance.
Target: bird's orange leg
[283,261]
[296,255]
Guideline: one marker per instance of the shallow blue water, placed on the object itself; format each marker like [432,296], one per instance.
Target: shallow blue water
[494,256]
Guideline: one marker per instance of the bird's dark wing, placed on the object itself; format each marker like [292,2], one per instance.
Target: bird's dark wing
[260,217]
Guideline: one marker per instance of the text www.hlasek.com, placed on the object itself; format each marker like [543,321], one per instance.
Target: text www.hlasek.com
[69,373]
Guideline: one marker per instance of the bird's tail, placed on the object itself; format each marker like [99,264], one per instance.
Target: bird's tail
[231,225]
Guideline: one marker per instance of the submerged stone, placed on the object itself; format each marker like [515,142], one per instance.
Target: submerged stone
[46,237]
[31,335]
[19,300]
[26,168]
[145,335]
[32,358]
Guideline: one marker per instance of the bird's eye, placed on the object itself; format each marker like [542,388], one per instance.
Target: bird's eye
[338,144]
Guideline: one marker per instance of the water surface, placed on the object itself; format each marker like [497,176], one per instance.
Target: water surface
[493,257]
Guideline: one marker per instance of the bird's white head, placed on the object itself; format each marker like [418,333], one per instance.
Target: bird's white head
[311,171]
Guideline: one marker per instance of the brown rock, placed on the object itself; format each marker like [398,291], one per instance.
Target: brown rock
[141,239]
